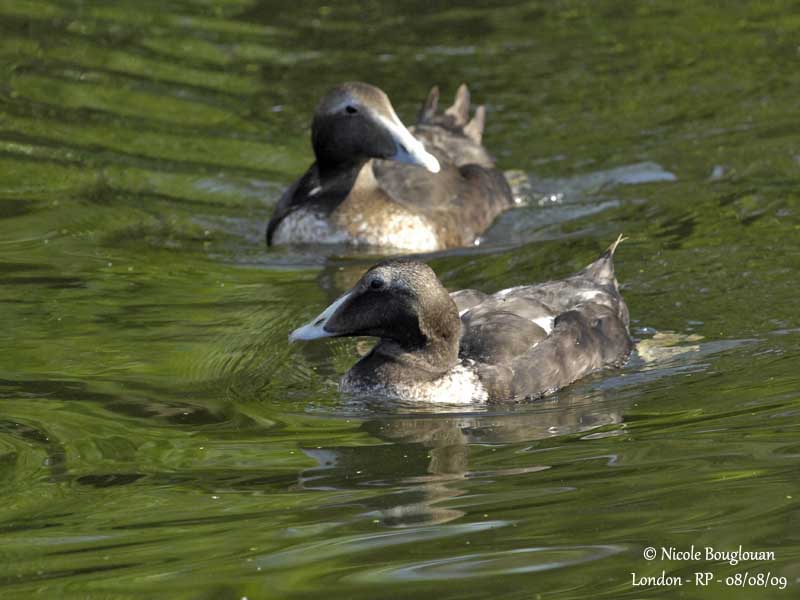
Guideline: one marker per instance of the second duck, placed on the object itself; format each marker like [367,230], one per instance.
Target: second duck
[375,184]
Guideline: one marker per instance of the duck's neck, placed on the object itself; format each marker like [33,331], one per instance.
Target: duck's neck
[330,170]
[329,187]
[423,355]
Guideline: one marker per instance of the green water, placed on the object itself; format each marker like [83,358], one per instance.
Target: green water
[160,439]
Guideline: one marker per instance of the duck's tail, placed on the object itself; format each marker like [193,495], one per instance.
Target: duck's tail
[609,253]
[602,269]
[456,116]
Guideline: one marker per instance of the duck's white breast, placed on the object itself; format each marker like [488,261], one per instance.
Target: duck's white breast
[460,385]
[305,227]
[400,230]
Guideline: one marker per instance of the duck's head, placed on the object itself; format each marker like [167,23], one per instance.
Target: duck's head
[355,122]
[399,300]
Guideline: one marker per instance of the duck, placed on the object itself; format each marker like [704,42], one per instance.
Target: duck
[375,183]
[468,346]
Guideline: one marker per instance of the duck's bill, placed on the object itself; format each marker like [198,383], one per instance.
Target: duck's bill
[408,149]
[315,328]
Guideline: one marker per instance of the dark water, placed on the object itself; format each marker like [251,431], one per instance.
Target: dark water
[159,438]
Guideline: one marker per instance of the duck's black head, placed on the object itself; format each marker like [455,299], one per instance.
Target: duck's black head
[355,122]
[398,300]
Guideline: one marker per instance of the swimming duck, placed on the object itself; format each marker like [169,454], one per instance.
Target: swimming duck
[468,346]
[375,184]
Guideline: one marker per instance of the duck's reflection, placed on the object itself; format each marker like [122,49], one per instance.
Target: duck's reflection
[428,455]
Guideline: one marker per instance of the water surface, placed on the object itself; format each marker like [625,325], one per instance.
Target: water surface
[159,438]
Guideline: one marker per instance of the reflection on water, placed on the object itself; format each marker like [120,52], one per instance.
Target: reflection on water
[158,435]
[439,453]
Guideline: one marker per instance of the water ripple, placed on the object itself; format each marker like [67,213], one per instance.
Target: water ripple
[487,564]
[332,548]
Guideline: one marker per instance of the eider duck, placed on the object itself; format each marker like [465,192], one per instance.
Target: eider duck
[467,346]
[375,184]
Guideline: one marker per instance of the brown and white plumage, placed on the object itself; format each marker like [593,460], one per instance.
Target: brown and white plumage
[374,184]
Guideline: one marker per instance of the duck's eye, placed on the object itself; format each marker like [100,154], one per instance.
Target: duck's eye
[376,283]
[351,110]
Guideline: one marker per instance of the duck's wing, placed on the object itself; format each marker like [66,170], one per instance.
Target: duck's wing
[572,327]
[495,330]
[498,329]
[583,340]
[415,187]
[461,201]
